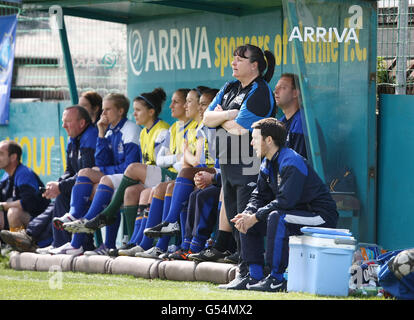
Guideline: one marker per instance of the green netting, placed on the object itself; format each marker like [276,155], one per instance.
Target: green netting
[98,51]
[9,8]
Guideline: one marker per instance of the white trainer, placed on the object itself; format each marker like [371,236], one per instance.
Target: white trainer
[45,250]
[58,222]
[153,253]
[130,252]
[67,249]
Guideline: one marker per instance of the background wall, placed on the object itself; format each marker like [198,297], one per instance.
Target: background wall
[395,172]
[196,49]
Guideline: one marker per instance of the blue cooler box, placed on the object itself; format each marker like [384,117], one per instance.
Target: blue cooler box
[320,261]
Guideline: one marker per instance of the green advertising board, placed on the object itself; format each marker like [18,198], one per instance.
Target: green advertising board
[330,44]
[37,128]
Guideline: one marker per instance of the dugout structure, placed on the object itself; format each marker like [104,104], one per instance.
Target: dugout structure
[331,45]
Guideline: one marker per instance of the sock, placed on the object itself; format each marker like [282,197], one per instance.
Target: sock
[45,242]
[185,244]
[137,226]
[167,206]
[182,189]
[183,220]
[101,199]
[77,240]
[197,244]
[130,215]
[112,209]
[16,229]
[213,234]
[154,218]
[256,271]
[223,238]
[143,226]
[97,237]
[79,199]
[112,232]
[278,276]
[163,242]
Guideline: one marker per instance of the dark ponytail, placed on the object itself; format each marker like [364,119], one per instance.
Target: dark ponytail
[270,66]
[153,100]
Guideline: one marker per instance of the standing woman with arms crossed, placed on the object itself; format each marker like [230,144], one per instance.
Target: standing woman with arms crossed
[236,107]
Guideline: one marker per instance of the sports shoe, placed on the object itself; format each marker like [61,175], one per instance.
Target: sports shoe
[164,256]
[153,253]
[115,251]
[269,284]
[19,240]
[98,222]
[77,226]
[209,254]
[163,229]
[102,250]
[127,246]
[45,250]
[67,249]
[180,255]
[239,283]
[233,258]
[59,221]
[131,251]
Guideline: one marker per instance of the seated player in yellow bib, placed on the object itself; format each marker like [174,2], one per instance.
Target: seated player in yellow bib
[194,160]
[170,156]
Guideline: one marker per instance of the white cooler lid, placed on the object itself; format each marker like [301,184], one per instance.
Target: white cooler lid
[324,241]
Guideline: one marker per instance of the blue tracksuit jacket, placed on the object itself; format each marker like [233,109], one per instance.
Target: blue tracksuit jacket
[287,183]
[295,138]
[118,148]
[80,153]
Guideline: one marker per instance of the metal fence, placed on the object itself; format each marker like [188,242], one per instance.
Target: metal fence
[99,53]
[395,47]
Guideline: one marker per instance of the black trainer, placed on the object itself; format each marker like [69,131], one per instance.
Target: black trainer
[114,252]
[98,222]
[240,283]
[233,258]
[154,232]
[180,254]
[209,254]
[269,284]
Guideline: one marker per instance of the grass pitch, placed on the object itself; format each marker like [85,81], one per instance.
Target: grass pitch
[32,285]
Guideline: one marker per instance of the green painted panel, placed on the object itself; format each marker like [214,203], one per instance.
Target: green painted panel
[341,96]
[395,165]
[37,127]
[197,50]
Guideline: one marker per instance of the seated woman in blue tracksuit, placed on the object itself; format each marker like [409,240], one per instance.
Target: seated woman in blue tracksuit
[117,146]
[289,195]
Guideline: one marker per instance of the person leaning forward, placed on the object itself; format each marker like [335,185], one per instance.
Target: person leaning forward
[20,197]
[80,152]
[289,195]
